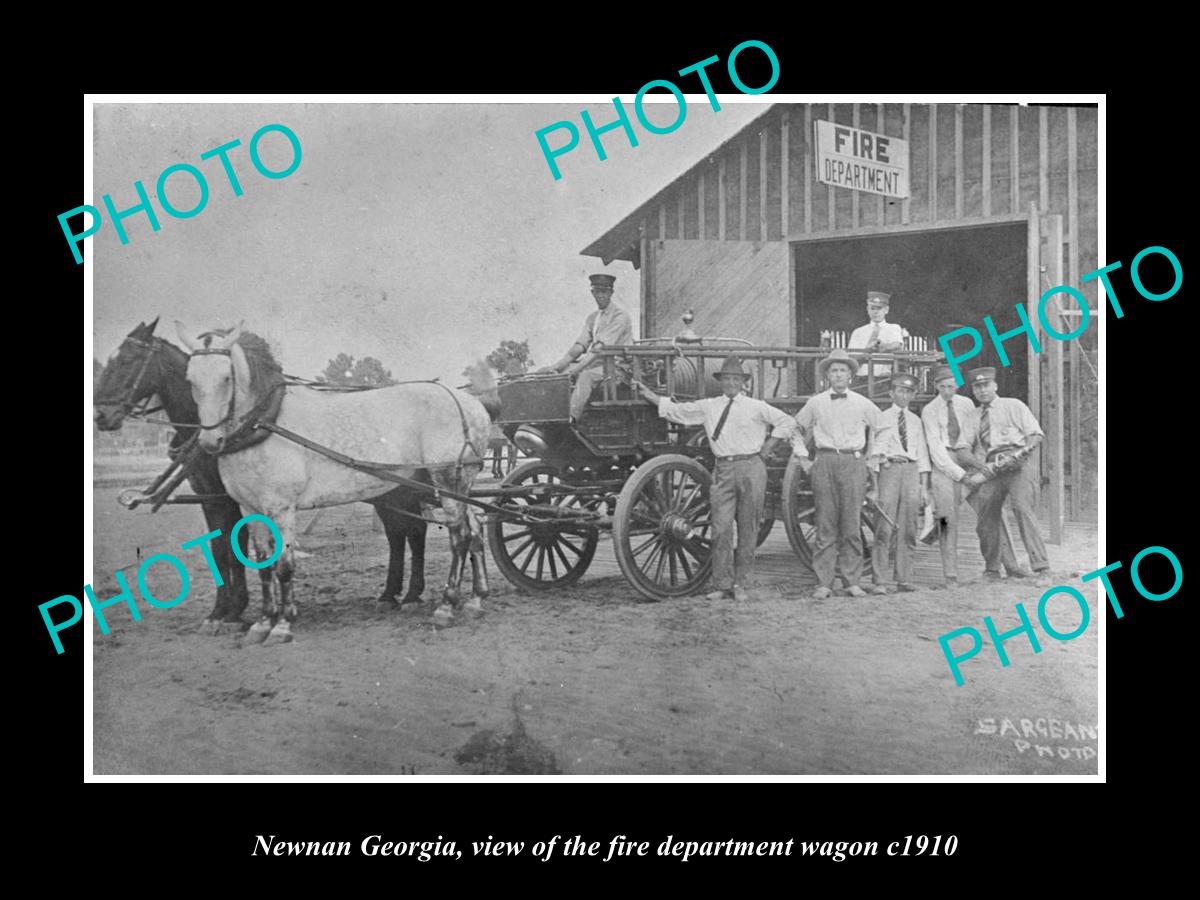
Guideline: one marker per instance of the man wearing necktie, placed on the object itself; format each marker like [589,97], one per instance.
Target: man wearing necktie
[878,336]
[837,420]
[736,425]
[1007,433]
[608,326]
[901,459]
[951,427]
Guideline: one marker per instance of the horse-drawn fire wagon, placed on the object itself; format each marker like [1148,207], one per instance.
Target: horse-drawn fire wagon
[620,468]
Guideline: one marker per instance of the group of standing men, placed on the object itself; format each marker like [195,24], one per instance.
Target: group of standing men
[952,448]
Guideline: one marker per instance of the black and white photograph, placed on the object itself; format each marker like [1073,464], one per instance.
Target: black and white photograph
[687,435]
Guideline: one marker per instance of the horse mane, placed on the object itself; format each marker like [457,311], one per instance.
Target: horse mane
[265,372]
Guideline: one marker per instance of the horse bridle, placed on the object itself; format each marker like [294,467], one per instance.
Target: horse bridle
[128,405]
[213,351]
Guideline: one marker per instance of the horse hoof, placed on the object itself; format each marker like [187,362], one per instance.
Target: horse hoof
[389,599]
[410,598]
[444,613]
[258,633]
[475,605]
[280,634]
[209,626]
[230,628]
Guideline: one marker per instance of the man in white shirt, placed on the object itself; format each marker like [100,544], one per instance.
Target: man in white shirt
[877,336]
[1007,432]
[951,426]
[900,458]
[608,326]
[736,425]
[837,420]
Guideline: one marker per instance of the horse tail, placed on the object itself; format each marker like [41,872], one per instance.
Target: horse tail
[483,387]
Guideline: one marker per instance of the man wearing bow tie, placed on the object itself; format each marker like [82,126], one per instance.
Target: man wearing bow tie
[1007,432]
[837,420]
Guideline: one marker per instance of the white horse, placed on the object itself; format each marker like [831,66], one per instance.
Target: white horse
[414,428]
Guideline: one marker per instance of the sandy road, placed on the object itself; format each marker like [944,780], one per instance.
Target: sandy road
[592,681]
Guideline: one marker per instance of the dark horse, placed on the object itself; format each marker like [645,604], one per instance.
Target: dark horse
[145,366]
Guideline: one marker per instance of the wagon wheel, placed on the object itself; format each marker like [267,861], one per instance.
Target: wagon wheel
[799,518]
[662,532]
[700,439]
[546,555]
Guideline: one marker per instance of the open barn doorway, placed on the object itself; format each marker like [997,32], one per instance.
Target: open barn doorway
[938,279]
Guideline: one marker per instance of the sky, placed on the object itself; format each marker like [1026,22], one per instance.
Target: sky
[420,234]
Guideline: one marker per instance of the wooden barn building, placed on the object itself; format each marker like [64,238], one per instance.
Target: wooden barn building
[993,206]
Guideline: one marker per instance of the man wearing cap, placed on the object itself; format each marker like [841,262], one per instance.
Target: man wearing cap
[837,421]
[1007,433]
[878,335]
[608,326]
[950,432]
[736,425]
[900,458]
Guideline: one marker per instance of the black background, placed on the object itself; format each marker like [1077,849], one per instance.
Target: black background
[204,833]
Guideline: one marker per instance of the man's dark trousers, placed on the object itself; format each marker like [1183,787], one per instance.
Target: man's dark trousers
[738,489]
[1018,486]
[899,497]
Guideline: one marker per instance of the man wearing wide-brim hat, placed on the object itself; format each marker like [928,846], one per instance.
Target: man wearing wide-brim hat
[1008,433]
[608,326]
[839,422]
[736,425]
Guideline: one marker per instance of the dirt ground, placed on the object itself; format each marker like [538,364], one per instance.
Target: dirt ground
[592,680]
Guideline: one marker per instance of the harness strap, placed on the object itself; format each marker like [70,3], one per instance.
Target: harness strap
[466,429]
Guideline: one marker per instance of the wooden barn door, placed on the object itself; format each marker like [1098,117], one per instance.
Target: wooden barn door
[1046,385]
[736,289]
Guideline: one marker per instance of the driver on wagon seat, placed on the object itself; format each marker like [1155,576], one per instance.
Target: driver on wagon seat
[608,326]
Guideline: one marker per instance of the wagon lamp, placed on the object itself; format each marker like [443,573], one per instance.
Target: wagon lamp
[687,336]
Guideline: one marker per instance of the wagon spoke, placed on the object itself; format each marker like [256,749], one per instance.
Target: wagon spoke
[652,520]
[674,576]
[653,498]
[646,543]
[517,534]
[563,542]
[689,499]
[516,553]
[683,561]
[566,562]
[667,480]
[645,566]
[528,556]
[658,571]
[553,565]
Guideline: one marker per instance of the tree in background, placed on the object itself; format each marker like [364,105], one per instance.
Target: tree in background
[511,358]
[344,369]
